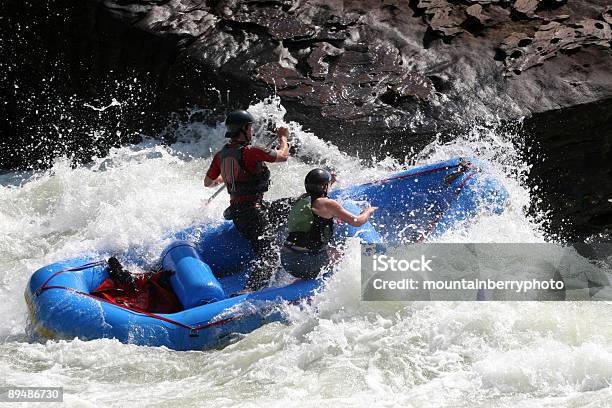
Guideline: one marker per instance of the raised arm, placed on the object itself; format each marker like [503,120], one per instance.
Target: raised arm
[282,151]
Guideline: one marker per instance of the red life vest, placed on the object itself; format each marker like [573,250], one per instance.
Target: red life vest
[239,181]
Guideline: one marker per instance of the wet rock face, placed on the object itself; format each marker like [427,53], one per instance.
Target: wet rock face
[552,38]
[374,69]
[358,72]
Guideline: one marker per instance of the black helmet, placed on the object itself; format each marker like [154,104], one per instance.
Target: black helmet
[236,121]
[316,180]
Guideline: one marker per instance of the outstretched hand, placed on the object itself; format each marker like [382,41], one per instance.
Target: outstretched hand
[370,210]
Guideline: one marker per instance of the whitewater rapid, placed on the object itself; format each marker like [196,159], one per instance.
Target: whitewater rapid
[338,350]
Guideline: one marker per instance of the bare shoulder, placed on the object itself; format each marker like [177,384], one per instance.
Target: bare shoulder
[326,203]
[324,207]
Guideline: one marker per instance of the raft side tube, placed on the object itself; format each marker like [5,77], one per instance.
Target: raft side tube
[192,280]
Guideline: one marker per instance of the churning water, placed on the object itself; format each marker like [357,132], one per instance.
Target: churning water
[338,350]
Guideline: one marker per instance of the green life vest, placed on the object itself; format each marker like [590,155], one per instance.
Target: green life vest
[307,229]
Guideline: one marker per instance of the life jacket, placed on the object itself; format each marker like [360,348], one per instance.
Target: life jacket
[239,181]
[307,229]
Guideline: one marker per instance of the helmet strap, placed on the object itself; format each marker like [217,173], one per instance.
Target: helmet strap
[245,135]
[321,194]
[241,138]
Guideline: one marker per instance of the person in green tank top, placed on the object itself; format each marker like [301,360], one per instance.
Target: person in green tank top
[311,226]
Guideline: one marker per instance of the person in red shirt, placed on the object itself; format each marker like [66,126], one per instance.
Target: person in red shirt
[242,167]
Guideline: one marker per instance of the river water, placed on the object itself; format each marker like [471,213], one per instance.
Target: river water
[338,351]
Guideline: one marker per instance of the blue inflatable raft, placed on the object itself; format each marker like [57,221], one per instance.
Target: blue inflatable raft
[414,206]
